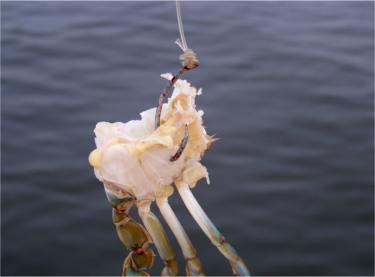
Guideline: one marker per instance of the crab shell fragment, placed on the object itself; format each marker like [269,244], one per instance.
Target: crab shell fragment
[134,158]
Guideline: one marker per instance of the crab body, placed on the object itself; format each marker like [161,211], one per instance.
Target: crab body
[132,157]
[139,163]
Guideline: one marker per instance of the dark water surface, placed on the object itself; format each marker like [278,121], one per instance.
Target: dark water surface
[287,86]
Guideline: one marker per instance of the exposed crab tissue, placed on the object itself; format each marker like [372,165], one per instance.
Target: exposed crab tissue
[134,158]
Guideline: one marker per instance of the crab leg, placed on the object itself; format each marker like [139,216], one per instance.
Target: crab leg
[193,265]
[158,236]
[133,235]
[238,266]
[135,238]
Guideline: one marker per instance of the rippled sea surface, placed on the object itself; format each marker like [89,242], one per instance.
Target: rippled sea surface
[287,87]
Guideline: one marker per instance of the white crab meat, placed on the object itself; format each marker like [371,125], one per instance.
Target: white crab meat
[134,158]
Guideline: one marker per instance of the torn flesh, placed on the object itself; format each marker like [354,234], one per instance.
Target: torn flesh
[133,158]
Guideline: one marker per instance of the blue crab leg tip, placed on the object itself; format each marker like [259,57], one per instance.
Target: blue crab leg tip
[210,230]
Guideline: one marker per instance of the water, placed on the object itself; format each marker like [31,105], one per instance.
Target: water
[287,87]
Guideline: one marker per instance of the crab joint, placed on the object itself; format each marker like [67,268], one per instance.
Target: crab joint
[222,239]
[138,250]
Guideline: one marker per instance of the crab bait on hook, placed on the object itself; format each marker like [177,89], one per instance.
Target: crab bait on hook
[139,161]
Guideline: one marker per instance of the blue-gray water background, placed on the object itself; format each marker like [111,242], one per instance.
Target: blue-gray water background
[287,87]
